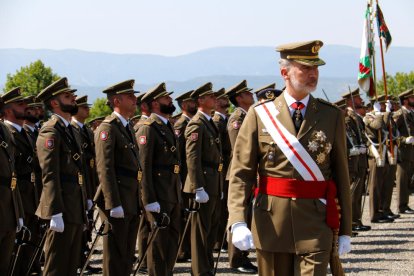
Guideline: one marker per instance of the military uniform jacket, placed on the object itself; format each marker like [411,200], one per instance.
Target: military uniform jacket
[38,171]
[179,130]
[11,208]
[117,163]
[24,156]
[88,149]
[140,122]
[60,159]
[203,147]
[284,224]
[404,121]
[159,157]
[221,125]
[233,126]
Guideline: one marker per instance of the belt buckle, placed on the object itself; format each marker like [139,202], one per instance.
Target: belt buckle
[4,144]
[29,159]
[76,156]
[220,167]
[32,177]
[13,183]
[176,169]
[139,176]
[80,179]
[173,148]
[84,145]
[92,163]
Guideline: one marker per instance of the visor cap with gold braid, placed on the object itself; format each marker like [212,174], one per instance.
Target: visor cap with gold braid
[82,101]
[238,89]
[58,87]
[12,96]
[406,94]
[185,97]
[341,103]
[120,88]
[156,92]
[306,53]
[205,89]
[220,94]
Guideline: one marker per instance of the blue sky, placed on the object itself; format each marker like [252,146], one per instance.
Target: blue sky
[175,27]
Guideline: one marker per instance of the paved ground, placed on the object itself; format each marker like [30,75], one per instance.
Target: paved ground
[388,249]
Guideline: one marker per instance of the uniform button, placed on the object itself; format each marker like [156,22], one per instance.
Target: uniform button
[294,198]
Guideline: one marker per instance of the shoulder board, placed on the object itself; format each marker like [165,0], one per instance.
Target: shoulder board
[109,119]
[327,103]
[148,122]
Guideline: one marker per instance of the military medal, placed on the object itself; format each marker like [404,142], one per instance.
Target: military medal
[32,177]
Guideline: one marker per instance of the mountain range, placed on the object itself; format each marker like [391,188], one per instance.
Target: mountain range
[90,72]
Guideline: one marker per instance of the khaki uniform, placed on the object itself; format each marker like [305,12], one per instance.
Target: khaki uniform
[204,163]
[118,166]
[11,208]
[24,156]
[59,155]
[278,223]
[404,120]
[159,156]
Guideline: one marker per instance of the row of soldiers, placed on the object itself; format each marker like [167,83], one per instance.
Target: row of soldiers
[140,176]
[380,141]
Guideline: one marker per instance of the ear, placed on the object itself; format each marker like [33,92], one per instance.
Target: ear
[284,73]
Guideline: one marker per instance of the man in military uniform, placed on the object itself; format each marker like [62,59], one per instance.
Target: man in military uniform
[145,113]
[117,163]
[241,97]
[91,176]
[267,92]
[11,207]
[204,179]
[297,146]
[188,107]
[220,119]
[95,123]
[63,199]
[404,119]
[161,184]
[357,158]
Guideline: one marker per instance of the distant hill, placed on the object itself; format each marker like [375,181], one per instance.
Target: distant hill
[224,66]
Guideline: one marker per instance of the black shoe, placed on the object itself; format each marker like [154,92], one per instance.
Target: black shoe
[391,215]
[184,258]
[354,234]
[247,268]
[383,219]
[407,211]
[143,270]
[361,227]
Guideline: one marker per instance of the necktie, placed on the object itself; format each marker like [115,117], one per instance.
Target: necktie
[297,115]
[86,134]
[129,132]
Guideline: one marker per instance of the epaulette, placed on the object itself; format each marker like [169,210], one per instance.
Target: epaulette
[109,119]
[148,122]
[327,103]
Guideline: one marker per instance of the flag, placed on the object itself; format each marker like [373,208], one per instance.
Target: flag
[365,66]
[383,29]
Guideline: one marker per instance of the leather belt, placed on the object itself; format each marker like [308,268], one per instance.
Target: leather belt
[170,168]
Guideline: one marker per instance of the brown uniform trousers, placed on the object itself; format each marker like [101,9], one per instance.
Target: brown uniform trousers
[117,163]
[26,181]
[204,163]
[404,120]
[59,154]
[160,159]
[11,208]
[283,241]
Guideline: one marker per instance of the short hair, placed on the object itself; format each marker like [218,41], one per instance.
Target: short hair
[285,63]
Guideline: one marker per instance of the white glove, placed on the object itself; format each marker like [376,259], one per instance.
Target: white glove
[56,223]
[242,237]
[388,106]
[377,107]
[344,245]
[362,150]
[21,224]
[222,196]
[117,212]
[353,152]
[409,140]
[89,204]
[153,207]
[201,196]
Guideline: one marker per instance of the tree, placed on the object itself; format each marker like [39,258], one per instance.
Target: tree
[99,108]
[397,84]
[32,78]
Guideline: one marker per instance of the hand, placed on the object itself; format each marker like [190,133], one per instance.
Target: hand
[344,245]
[153,207]
[362,150]
[201,196]
[56,223]
[89,204]
[242,237]
[388,106]
[377,107]
[222,196]
[20,225]
[117,212]
[409,140]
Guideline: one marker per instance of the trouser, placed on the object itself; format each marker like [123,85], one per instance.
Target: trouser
[362,178]
[387,189]
[204,226]
[143,232]
[356,188]
[186,246]
[6,249]
[62,250]
[224,215]
[404,173]
[290,264]
[377,179]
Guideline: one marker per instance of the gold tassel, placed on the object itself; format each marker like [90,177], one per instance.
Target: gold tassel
[334,261]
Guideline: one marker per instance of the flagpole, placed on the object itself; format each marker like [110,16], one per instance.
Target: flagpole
[385,87]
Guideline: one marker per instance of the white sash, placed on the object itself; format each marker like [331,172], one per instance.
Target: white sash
[288,143]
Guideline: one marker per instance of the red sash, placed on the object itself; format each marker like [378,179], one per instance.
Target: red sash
[286,187]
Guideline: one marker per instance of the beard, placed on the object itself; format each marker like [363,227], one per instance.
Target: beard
[31,118]
[167,109]
[300,86]
[192,110]
[18,115]
[68,108]
[411,104]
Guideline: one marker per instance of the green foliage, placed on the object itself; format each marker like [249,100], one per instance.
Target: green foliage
[32,78]
[396,84]
[99,108]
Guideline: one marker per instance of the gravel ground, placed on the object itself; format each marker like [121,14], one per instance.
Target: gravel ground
[388,249]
